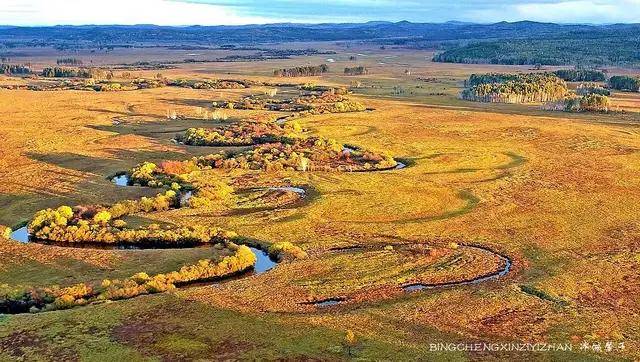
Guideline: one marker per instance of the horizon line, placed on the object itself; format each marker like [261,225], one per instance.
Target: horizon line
[319,23]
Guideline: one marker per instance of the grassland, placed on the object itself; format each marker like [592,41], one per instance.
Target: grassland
[556,193]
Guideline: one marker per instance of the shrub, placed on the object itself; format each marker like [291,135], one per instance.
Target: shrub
[102,217]
[176,168]
[286,249]
[143,173]
[49,218]
[5,232]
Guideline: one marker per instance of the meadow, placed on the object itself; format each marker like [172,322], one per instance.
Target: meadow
[516,224]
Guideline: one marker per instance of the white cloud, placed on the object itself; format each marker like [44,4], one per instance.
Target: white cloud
[572,11]
[233,12]
[583,11]
[160,12]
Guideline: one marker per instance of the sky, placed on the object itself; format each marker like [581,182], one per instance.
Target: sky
[236,12]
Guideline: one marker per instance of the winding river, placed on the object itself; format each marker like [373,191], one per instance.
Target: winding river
[413,287]
[265,263]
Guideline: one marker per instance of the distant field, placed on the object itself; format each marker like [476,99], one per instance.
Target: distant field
[554,193]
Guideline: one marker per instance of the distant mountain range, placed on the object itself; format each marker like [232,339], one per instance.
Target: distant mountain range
[524,42]
[216,35]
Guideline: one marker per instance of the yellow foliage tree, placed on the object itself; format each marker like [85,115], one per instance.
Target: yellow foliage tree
[350,340]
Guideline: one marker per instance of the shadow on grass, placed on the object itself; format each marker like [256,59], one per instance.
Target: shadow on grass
[516,160]
[471,202]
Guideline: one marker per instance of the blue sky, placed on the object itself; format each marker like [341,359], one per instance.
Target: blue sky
[233,12]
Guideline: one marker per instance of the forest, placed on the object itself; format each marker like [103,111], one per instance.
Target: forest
[572,50]
[514,88]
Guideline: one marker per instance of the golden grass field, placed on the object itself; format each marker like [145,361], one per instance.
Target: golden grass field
[556,193]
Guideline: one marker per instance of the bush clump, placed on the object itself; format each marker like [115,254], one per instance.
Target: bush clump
[240,134]
[318,100]
[304,154]
[209,84]
[101,225]
[5,232]
[285,249]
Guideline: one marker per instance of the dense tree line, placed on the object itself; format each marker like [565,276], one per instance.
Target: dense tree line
[57,72]
[515,88]
[304,71]
[581,75]
[625,83]
[11,69]
[69,61]
[577,49]
[359,70]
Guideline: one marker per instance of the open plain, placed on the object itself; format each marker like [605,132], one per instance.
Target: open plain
[509,223]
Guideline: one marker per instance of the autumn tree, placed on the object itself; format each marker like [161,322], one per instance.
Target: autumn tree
[350,341]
